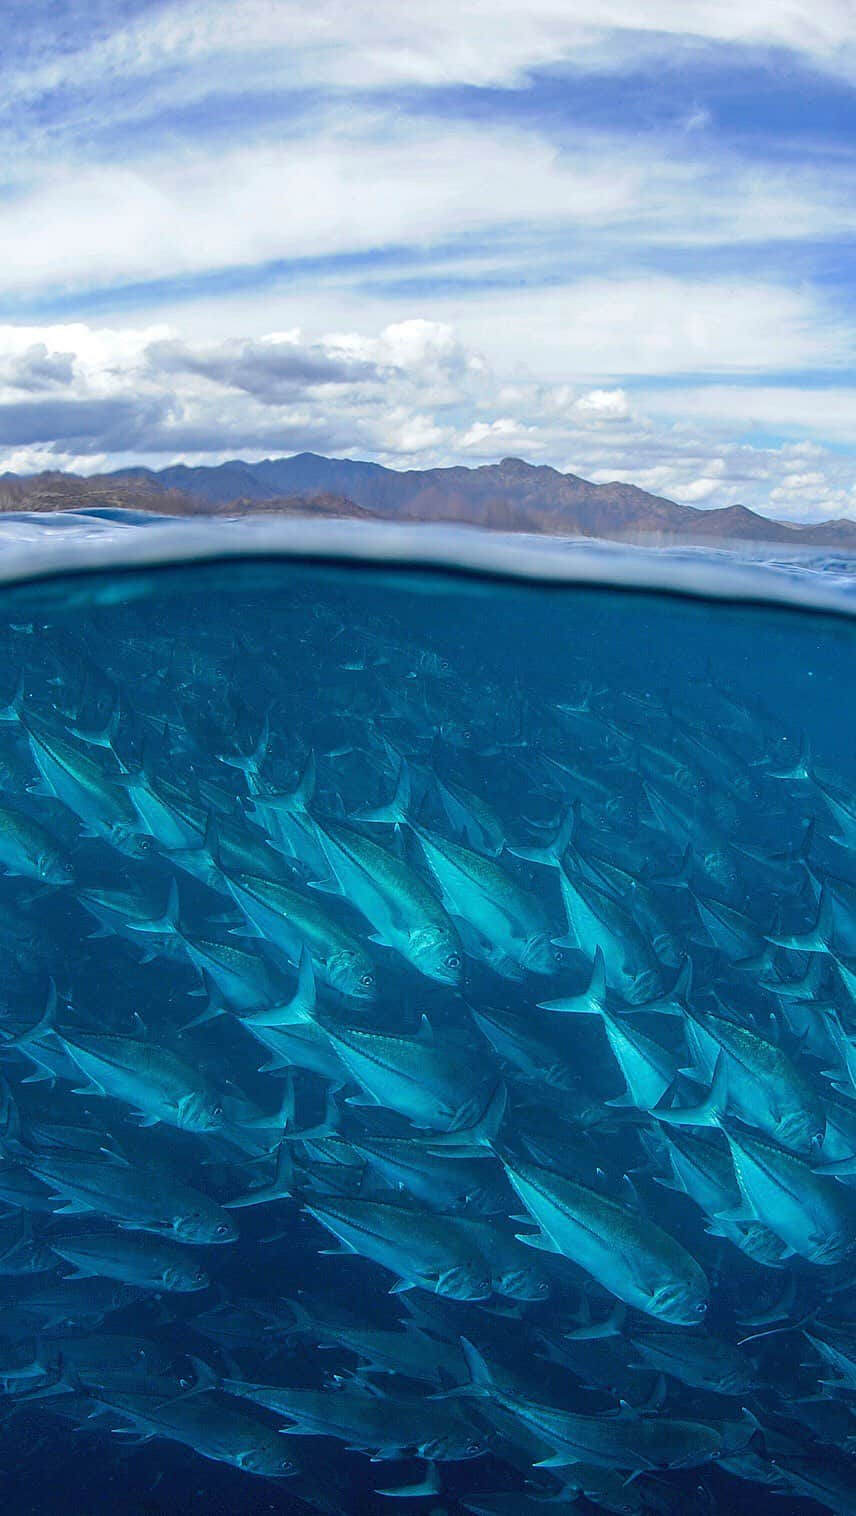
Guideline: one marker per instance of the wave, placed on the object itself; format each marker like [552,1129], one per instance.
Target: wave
[36,546]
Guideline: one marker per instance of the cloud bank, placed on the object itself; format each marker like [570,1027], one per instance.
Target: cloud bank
[619,245]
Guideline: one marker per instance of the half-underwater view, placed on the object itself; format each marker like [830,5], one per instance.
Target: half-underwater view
[427,758]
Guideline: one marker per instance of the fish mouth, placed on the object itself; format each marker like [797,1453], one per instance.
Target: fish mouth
[208,1236]
[517,1287]
[679,1309]
[441,975]
[797,1135]
[453,1287]
[540,956]
[644,987]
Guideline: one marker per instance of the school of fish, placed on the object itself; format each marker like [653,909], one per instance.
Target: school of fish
[464,1078]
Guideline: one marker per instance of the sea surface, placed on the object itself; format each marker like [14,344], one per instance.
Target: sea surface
[427,1022]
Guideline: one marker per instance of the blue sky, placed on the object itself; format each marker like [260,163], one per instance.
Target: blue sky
[622,245]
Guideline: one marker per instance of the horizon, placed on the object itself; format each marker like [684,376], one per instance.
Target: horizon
[497,463]
[620,250]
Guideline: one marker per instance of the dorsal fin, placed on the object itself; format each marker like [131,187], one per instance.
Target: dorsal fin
[397,812]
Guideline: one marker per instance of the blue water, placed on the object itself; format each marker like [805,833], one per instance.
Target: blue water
[380,726]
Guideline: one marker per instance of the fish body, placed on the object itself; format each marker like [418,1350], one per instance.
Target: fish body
[213,1427]
[429,1084]
[101,804]
[130,912]
[163,815]
[629,1255]
[409,1352]
[443,1182]
[392,1428]
[138,1198]
[291,921]
[471,817]
[490,900]
[765,1088]
[243,978]
[597,921]
[814,1216]
[404,912]
[31,851]
[148,1077]
[530,1049]
[438,1253]
[703,1363]
[611,1441]
[135,1258]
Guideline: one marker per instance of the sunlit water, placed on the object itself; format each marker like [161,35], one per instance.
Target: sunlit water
[452,788]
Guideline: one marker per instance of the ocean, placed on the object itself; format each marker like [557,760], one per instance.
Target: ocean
[428,1022]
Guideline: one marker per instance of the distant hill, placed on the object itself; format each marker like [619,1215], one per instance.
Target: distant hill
[71,492]
[510,496]
[144,492]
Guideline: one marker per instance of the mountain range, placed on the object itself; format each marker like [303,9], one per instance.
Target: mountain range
[511,496]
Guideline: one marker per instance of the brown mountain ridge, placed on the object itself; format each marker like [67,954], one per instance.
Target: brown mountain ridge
[511,496]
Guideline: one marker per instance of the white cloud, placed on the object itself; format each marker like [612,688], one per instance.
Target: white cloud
[819,410]
[697,120]
[429,348]
[488,439]
[411,435]
[697,490]
[99,355]
[602,405]
[656,325]
[44,457]
[354,181]
[592,333]
[410,394]
[482,330]
[334,192]
[421,344]
[213,44]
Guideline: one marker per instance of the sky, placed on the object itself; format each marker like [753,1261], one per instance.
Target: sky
[616,239]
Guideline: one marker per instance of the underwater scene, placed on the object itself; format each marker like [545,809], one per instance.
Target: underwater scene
[427,1046]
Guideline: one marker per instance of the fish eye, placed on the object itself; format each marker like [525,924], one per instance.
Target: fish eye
[221,1230]
[453,961]
[701,1308]
[218,1110]
[367,979]
[473,1448]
